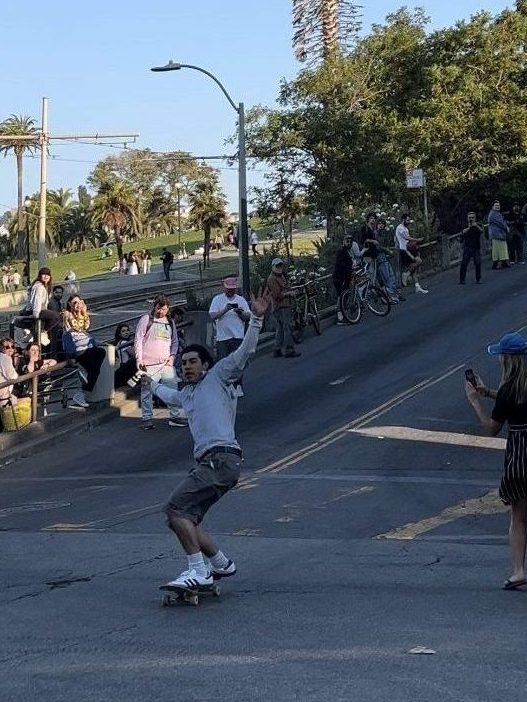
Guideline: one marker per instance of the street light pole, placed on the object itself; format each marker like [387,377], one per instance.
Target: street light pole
[28,249]
[242,169]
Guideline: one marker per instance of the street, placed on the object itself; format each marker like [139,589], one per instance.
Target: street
[366,524]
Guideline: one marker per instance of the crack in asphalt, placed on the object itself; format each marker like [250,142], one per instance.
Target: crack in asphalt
[63,583]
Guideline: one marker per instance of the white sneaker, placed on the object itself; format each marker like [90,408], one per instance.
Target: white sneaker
[404,278]
[418,288]
[226,572]
[44,339]
[79,399]
[190,580]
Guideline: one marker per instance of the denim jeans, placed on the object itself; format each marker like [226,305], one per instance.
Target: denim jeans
[163,374]
[386,275]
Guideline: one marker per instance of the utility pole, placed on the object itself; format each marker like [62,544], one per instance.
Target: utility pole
[42,138]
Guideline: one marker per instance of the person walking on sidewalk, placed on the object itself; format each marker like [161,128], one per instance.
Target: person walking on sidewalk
[471,248]
[498,231]
[229,312]
[167,258]
[281,295]
[510,407]
[156,347]
[211,407]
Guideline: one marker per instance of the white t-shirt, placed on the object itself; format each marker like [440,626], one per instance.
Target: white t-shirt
[254,238]
[229,326]
[402,237]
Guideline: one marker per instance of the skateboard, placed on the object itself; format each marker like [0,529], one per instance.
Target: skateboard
[172,594]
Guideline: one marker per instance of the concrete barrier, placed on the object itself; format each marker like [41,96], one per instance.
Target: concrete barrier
[104,390]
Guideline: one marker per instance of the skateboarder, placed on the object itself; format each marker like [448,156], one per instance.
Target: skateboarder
[209,401]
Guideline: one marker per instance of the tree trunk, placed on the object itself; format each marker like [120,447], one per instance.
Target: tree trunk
[21,239]
[286,239]
[331,218]
[206,246]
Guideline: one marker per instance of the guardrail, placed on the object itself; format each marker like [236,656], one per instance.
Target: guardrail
[33,377]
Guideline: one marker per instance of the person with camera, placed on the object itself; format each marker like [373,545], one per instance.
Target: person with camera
[156,346]
[230,312]
[471,248]
[510,408]
[211,407]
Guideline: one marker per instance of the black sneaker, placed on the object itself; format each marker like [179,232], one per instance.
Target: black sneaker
[277,353]
[178,422]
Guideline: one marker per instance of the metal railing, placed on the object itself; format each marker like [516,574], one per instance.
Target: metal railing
[33,377]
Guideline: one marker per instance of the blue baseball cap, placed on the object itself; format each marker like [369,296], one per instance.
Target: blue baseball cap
[513,343]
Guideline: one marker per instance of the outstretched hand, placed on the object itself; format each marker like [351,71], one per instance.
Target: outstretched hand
[260,303]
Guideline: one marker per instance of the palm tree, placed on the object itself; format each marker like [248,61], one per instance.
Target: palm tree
[324,28]
[12,127]
[115,207]
[207,209]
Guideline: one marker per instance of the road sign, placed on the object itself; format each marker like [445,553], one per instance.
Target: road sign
[415,178]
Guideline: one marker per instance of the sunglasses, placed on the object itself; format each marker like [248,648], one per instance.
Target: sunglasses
[8,346]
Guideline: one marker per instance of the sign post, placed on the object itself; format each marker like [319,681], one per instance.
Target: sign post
[416,178]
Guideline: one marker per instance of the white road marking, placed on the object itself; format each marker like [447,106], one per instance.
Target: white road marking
[429,436]
[340,381]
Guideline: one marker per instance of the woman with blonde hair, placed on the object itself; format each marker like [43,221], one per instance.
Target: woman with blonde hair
[81,346]
[510,407]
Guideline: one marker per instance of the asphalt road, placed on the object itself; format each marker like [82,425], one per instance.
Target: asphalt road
[366,524]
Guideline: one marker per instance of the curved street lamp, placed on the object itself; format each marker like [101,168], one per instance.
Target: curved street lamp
[242,168]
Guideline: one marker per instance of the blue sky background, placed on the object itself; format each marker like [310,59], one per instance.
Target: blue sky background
[92,61]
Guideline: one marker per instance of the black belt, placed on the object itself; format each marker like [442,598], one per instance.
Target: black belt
[221,449]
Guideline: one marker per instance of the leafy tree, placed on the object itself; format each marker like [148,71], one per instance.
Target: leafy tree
[115,207]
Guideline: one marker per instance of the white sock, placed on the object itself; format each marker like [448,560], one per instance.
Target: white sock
[196,562]
[219,560]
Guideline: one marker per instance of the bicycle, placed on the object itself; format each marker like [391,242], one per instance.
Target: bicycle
[363,291]
[306,313]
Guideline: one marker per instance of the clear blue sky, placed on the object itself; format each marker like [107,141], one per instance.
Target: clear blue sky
[92,61]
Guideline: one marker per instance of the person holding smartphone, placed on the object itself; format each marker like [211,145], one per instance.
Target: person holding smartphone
[230,312]
[510,407]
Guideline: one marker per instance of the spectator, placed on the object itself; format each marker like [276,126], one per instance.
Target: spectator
[498,231]
[278,289]
[16,279]
[81,346]
[133,266]
[229,312]
[156,347]
[408,254]
[71,276]
[7,369]
[55,301]
[253,238]
[123,265]
[167,259]
[33,360]
[125,354]
[516,243]
[147,261]
[510,408]
[471,248]
[6,278]
[385,273]
[218,241]
[37,305]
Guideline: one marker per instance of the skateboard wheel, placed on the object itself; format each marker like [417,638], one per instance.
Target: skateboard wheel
[165,601]
[194,600]
[216,591]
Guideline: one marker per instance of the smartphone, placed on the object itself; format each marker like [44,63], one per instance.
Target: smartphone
[469,375]
[233,305]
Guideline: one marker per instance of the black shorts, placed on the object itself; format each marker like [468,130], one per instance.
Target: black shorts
[215,474]
[405,259]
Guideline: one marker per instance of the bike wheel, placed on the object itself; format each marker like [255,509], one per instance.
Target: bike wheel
[350,305]
[314,318]
[297,327]
[378,301]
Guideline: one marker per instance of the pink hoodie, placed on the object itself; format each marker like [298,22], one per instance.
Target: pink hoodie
[156,345]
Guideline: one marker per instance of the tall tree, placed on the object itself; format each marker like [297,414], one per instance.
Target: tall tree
[207,209]
[115,207]
[324,29]
[12,127]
